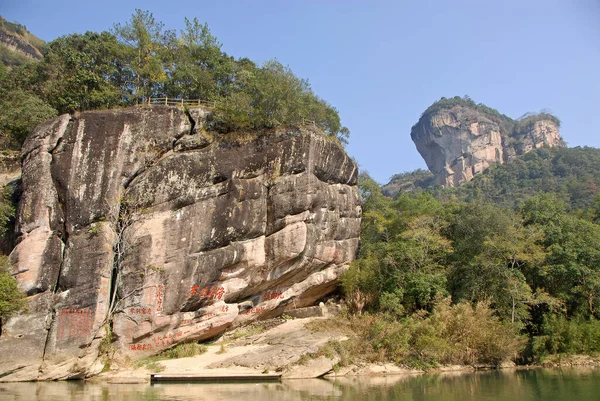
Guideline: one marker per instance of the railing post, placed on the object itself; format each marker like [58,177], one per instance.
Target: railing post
[166,100]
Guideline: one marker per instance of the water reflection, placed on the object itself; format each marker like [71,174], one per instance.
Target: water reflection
[538,384]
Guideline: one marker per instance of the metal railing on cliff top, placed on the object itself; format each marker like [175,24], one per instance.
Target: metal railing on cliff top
[166,101]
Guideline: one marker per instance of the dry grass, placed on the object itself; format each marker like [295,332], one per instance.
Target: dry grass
[453,334]
[186,350]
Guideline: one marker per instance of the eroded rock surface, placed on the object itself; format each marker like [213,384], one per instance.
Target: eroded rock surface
[137,230]
[460,142]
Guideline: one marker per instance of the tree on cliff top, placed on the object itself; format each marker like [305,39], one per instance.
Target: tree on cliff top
[200,70]
[84,72]
[147,44]
[140,60]
[20,112]
[271,96]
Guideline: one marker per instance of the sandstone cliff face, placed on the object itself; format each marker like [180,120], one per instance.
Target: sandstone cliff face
[140,231]
[460,142]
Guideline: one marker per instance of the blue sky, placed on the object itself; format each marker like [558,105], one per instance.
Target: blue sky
[382,63]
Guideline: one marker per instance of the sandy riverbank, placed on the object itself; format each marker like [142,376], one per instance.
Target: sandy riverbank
[289,347]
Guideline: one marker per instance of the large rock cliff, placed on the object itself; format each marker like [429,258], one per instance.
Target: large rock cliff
[138,230]
[459,139]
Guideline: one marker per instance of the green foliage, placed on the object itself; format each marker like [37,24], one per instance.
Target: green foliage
[82,72]
[563,336]
[200,69]
[533,264]
[574,264]
[409,181]
[7,209]
[525,122]
[11,299]
[571,174]
[521,123]
[185,350]
[248,331]
[147,47]
[12,58]
[465,101]
[21,30]
[13,27]
[140,59]
[95,229]
[401,259]
[272,96]
[20,112]
[9,57]
[155,367]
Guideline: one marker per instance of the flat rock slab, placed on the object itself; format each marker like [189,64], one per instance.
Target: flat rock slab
[311,369]
[278,348]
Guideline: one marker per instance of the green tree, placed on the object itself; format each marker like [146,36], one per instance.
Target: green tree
[273,96]
[11,299]
[362,282]
[20,113]
[403,251]
[148,44]
[574,264]
[84,72]
[200,69]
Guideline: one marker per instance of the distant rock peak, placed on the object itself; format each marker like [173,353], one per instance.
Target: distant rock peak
[459,139]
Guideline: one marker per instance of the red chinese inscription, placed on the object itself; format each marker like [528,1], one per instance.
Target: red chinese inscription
[204,317]
[254,310]
[167,339]
[141,347]
[269,295]
[160,293]
[159,341]
[207,292]
[74,323]
[140,311]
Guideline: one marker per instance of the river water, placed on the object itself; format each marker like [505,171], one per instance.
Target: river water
[522,385]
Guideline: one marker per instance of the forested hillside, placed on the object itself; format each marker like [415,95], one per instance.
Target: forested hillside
[572,174]
[408,182]
[507,264]
[453,281]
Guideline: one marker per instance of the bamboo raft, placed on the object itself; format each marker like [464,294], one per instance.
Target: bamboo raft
[216,378]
